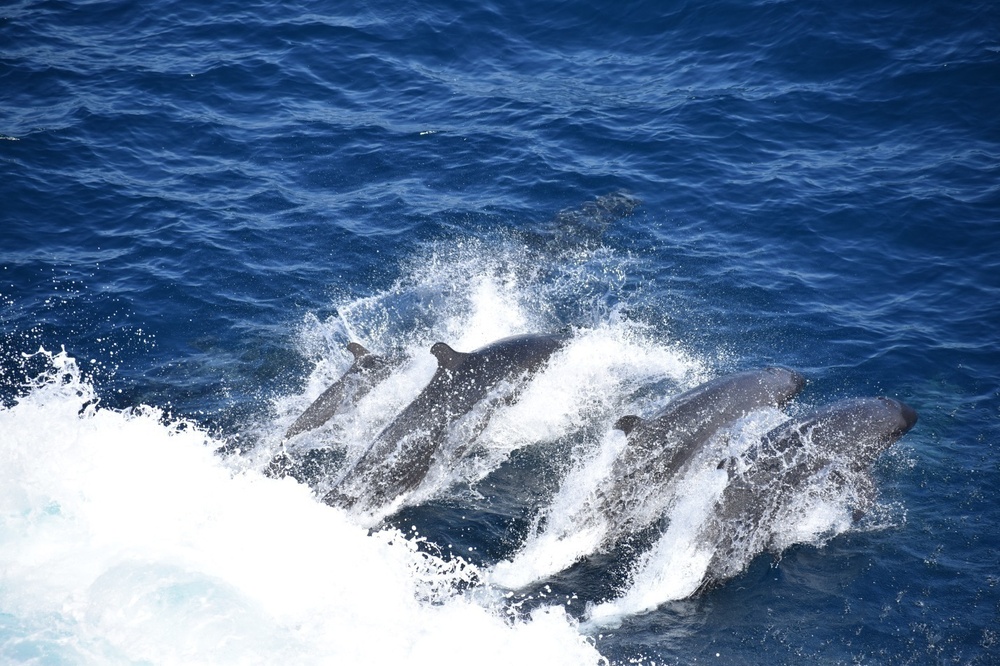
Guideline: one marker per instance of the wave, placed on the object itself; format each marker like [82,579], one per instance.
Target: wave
[125,538]
[131,535]
[472,292]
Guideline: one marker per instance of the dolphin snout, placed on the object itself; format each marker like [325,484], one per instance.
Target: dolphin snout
[798,380]
[795,381]
[909,415]
[906,415]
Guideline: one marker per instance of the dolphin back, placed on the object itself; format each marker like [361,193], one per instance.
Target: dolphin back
[837,442]
[401,455]
[366,371]
[690,419]
[861,428]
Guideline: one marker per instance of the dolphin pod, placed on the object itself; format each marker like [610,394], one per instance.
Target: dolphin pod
[835,443]
[401,455]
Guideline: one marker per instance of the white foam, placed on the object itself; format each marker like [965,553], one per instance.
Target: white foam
[817,511]
[124,538]
[470,294]
[573,527]
[594,377]
[676,565]
[586,383]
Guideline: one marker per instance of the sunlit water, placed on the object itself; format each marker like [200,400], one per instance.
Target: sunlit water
[201,207]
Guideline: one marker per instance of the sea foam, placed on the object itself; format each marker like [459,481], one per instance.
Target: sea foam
[125,538]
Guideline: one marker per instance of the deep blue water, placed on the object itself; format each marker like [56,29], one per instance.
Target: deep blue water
[189,190]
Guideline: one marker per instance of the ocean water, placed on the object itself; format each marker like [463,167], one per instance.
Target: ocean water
[202,204]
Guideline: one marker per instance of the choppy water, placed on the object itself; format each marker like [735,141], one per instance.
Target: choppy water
[201,205]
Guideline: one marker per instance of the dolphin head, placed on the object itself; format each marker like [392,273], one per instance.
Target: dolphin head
[904,416]
[883,422]
[860,427]
[785,383]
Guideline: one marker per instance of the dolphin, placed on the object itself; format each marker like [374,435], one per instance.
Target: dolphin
[401,455]
[842,440]
[659,447]
[365,372]
[637,490]
[583,227]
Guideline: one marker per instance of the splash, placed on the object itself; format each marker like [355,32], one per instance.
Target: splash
[126,539]
[470,293]
[724,517]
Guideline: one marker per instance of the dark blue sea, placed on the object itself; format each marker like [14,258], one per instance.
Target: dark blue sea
[202,204]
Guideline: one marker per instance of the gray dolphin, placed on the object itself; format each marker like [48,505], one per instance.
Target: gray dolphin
[640,486]
[367,370]
[659,447]
[401,455]
[583,227]
[843,438]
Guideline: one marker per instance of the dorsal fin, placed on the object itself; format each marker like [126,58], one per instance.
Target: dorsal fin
[357,350]
[448,358]
[728,464]
[628,423]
